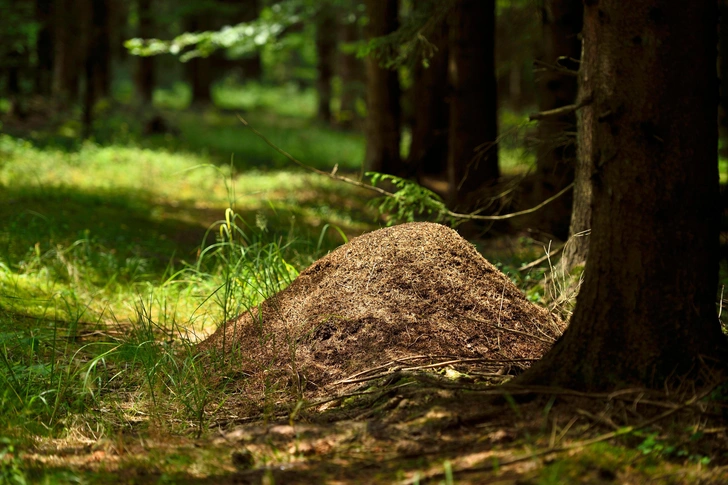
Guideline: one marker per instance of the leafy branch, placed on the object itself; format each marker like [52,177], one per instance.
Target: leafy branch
[409,200]
[245,37]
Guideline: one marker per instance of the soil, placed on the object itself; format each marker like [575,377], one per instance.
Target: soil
[415,293]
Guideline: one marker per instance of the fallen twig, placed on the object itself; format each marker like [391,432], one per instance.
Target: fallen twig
[511,330]
[393,367]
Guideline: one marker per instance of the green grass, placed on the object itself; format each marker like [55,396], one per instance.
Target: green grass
[115,254]
[224,137]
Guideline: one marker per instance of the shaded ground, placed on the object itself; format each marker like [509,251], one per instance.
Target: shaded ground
[434,432]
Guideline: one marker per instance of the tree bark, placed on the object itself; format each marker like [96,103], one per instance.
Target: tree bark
[576,250]
[145,75]
[383,108]
[325,51]
[428,152]
[473,153]
[646,312]
[556,153]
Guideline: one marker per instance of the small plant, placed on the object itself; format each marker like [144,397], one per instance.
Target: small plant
[655,446]
[409,200]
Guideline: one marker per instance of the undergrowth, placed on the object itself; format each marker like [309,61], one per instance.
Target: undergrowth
[54,371]
[113,265]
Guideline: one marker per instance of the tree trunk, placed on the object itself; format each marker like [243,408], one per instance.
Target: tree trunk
[68,53]
[646,312]
[383,108]
[723,63]
[473,155]
[96,63]
[325,51]
[15,63]
[577,247]
[200,79]
[102,48]
[252,65]
[199,69]
[428,152]
[145,78]
[557,150]
[44,47]
[351,73]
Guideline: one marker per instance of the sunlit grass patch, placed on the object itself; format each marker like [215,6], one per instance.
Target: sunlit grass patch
[105,223]
[285,100]
[58,363]
[223,136]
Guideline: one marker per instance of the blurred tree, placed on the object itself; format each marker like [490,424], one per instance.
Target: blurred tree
[44,47]
[17,39]
[518,38]
[646,313]
[198,70]
[97,61]
[557,87]
[325,52]
[723,64]
[99,46]
[204,18]
[473,153]
[68,53]
[383,108]
[349,68]
[250,63]
[429,92]
[145,76]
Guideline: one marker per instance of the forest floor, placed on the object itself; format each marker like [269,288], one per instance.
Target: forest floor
[118,257]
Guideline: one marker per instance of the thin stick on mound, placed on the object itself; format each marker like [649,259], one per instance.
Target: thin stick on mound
[398,365]
[417,288]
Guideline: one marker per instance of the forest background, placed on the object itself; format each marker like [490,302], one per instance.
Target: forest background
[126,150]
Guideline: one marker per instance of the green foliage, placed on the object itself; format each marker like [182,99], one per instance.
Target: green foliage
[251,268]
[409,42]
[409,201]
[11,468]
[19,29]
[656,446]
[244,38]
